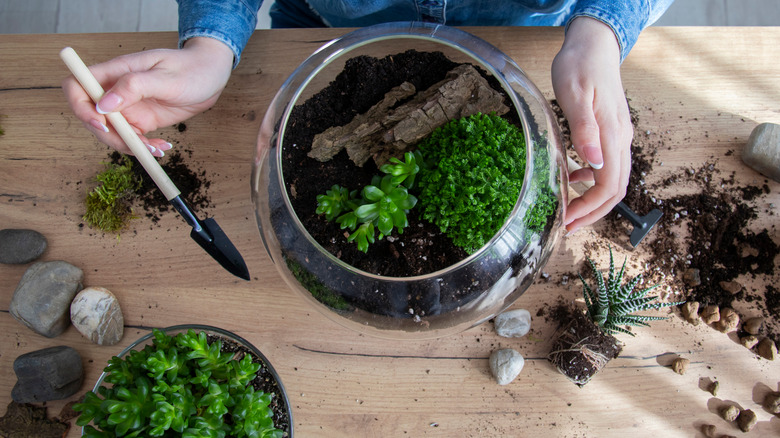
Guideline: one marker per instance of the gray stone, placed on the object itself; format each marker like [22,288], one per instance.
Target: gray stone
[54,373]
[96,314]
[42,298]
[513,324]
[21,246]
[506,365]
[762,151]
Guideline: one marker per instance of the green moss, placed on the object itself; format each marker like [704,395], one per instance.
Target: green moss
[316,288]
[472,180]
[108,204]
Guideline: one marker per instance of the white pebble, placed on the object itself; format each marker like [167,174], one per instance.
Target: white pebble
[506,365]
[513,324]
[96,314]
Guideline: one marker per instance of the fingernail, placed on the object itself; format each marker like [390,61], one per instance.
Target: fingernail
[166,147]
[569,233]
[152,149]
[593,156]
[97,125]
[108,103]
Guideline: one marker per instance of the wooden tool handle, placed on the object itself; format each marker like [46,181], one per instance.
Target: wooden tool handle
[118,121]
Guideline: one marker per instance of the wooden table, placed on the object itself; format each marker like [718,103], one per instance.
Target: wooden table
[702,89]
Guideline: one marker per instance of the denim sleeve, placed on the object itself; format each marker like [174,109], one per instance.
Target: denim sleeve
[627,18]
[229,21]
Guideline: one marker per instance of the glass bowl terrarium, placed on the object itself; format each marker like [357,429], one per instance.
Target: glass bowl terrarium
[409,180]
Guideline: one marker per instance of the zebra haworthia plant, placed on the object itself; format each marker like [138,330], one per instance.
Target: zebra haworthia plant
[612,305]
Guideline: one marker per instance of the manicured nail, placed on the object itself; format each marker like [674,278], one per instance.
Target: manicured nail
[166,147]
[108,103]
[152,149]
[593,156]
[99,126]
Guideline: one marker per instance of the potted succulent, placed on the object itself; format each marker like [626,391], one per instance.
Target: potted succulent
[584,341]
[189,381]
[358,206]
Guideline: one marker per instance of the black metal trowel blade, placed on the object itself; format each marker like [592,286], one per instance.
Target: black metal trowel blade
[217,244]
[211,238]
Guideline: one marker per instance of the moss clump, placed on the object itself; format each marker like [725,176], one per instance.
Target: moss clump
[318,290]
[473,180]
[108,204]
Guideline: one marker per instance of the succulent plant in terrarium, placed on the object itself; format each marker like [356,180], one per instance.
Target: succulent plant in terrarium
[585,343]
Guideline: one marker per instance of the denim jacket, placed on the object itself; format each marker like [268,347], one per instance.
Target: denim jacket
[233,21]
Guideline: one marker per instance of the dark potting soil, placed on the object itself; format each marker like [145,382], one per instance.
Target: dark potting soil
[193,184]
[421,248]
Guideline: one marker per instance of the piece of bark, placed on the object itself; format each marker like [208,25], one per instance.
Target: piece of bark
[386,131]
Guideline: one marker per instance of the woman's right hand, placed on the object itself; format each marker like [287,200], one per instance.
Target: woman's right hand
[153,89]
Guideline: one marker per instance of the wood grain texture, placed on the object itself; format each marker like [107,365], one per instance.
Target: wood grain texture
[700,90]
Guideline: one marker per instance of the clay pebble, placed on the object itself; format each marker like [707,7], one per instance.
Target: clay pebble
[680,365]
[753,325]
[729,413]
[762,151]
[690,311]
[42,298]
[749,341]
[767,349]
[729,320]
[19,246]
[513,323]
[746,420]
[710,314]
[53,373]
[772,403]
[96,314]
[714,387]
[506,365]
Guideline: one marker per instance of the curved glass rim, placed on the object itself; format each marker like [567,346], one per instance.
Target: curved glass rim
[222,332]
[459,40]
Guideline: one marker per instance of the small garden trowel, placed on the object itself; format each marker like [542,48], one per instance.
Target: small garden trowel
[206,233]
[642,224]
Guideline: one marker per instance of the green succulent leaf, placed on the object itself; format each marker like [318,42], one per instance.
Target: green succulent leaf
[612,306]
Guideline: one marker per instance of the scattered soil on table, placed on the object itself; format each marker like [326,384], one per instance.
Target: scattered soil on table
[30,421]
[192,183]
[422,248]
[708,229]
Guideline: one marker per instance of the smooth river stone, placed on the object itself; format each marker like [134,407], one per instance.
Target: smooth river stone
[506,365]
[21,246]
[42,298]
[762,151]
[53,373]
[513,324]
[96,314]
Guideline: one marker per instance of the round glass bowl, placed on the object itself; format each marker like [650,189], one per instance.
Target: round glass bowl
[227,337]
[449,300]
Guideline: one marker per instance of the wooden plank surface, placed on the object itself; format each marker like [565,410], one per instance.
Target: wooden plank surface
[700,91]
